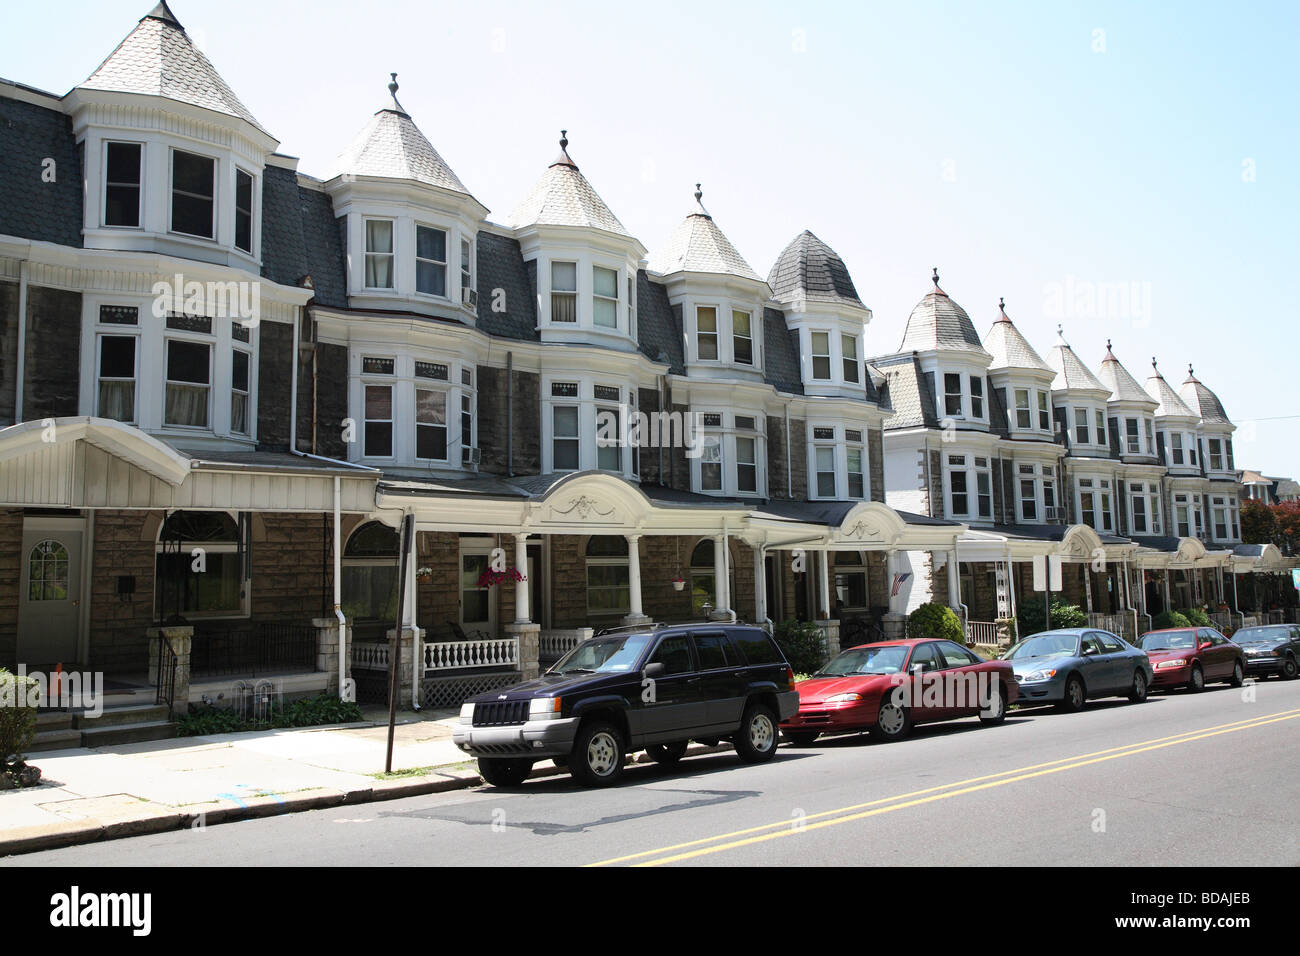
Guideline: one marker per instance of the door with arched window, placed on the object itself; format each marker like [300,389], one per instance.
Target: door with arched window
[49,605]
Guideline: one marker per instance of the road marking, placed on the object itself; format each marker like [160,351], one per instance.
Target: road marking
[783,828]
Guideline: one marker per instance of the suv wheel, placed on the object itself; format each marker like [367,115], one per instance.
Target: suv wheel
[667,754]
[756,739]
[504,772]
[597,757]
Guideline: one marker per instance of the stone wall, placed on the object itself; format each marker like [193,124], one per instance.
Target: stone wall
[876,457]
[8,351]
[937,509]
[291,565]
[524,397]
[11,541]
[274,383]
[331,400]
[124,545]
[53,353]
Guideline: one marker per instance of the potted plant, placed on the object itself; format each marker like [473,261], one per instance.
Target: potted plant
[424,574]
[490,578]
[678,583]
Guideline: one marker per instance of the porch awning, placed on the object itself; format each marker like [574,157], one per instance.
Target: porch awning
[1258,557]
[1075,543]
[1177,553]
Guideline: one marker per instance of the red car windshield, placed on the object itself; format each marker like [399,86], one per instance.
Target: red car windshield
[867,660]
[1169,641]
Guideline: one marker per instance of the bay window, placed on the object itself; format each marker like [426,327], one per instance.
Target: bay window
[430,261]
[189,383]
[239,389]
[1144,508]
[853,459]
[604,297]
[1094,503]
[117,365]
[849,351]
[1216,454]
[746,464]
[1028,494]
[430,424]
[379,254]
[959,498]
[977,396]
[194,184]
[122,165]
[821,356]
[1082,434]
[378,431]
[1024,419]
[1044,413]
[609,452]
[825,459]
[565,443]
[1176,448]
[742,338]
[243,211]
[1134,441]
[564,292]
[1101,427]
[967,472]
[952,395]
[706,333]
[711,455]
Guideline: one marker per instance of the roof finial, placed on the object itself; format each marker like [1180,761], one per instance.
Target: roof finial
[936,277]
[1108,345]
[564,139]
[1154,366]
[392,86]
[1190,373]
[699,194]
[1060,330]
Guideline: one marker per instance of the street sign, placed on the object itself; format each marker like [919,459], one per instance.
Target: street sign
[1047,572]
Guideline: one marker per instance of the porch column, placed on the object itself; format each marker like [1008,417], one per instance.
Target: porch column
[895,623]
[954,583]
[824,585]
[635,614]
[721,599]
[1087,586]
[760,587]
[1167,608]
[522,588]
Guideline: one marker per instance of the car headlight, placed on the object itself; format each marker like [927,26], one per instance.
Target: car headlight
[1046,674]
[1176,662]
[544,708]
[843,698]
[467,713]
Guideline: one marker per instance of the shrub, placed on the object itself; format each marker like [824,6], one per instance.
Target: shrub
[803,644]
[17,716]
[935,621]
[204,720]
[1167,619]
[1196,616]
[1030,619]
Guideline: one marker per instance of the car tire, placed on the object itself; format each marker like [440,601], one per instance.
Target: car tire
[804,738]
[996,712]
[1238,675]
[504,771]
[667,754]
[893,721]
[597,756]
[1196,683]
[1289,669]
[757,737]
[1137,693]
[1074,696]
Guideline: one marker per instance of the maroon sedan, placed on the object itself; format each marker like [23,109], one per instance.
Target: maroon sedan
[1192,657]
[889,687]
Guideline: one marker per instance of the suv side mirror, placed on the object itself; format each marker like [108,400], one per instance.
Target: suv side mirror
[654,669]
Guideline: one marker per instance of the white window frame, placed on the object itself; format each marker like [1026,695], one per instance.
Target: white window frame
[132,333]
[849,354]
[171,192]
[140,186]
[367,255]
[245,349]
[252,212]
[736,337]
[569,295]
[597,298]
[210,343]
[427,385]
[443,264]
[814,356]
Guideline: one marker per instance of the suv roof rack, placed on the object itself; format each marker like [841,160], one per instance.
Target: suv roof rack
[657,625]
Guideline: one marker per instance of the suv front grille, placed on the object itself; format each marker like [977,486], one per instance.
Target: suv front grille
[500,713]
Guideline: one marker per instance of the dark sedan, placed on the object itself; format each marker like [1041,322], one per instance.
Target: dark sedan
[1270,649]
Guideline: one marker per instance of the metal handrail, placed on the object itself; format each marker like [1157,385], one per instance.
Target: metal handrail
[167,663]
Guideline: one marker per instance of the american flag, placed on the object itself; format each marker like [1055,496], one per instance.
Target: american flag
[898,582]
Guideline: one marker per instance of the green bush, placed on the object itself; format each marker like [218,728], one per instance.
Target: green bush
[1166,619]
[1030,619]
[803,644]
[204,720]
[1195,616]
[935,621]
[17,716]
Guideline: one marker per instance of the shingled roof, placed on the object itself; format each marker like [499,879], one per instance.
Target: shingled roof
[1202,401]
[1123,386]
[30,207]
[1010,349]
[698,245]
[1171,406]
[809,269]
[563,197]
[1070,371]
[157,58]
[939,323]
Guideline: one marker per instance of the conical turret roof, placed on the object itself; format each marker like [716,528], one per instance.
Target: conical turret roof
[939,323]
[1010,349]
[1202,401]
[563,197]
[1070,371]
[1123,386]
[810,269]
[1171,406]
[698,245]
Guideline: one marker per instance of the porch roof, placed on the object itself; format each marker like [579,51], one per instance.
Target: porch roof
[1075,542]
[1167,551]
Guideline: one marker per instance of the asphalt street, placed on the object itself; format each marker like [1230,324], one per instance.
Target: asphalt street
[1209,779]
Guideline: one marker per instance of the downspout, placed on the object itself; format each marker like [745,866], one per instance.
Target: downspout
[663,385]
[293,381]
[338,591]
[510,415]
[315,352]
[789,456]
[20,369]
[1128,599]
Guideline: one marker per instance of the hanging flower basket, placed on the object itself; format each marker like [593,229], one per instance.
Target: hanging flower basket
[490,578]
[424,575]
[678,583]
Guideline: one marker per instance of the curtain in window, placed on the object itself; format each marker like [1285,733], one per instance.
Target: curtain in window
[239,413]
[117,401]
[187,405]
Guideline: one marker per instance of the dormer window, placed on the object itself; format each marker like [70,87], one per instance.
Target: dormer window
[742,340]
[564,292]
[466,270]
[194,189]
[1024,418]
[243,211]
[849,350]
[379,253]
[821,355]
[706,333]
[122,162]
[1082,433]
[604,297]
[976,396]
[430,261]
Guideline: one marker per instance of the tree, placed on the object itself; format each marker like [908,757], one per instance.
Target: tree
[1258,523]
[1287,535]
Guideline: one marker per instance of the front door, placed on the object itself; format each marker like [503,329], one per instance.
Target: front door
[478,607]
[49,602]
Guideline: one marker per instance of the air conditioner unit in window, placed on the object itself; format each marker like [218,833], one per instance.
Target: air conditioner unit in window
[469,297]
[1054,515]
[471,456]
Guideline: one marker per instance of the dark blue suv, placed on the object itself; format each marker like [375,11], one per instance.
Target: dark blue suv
[652,689]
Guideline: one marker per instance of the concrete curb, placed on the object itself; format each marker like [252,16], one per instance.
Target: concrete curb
[53,836]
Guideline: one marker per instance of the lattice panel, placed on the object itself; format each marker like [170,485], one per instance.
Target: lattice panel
[450,693]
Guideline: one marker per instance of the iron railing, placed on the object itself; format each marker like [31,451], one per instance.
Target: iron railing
[166,676]
[261,648]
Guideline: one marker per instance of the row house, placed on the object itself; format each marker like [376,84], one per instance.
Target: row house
[241,399]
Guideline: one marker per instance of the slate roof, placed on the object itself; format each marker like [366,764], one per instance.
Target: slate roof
[1070,371]
[810,269]
[1010,349]
[1170,404]
[300,237]
[781,354]
[158,59]
[29,207]
[909,393]
[501,266]
[563,197]
[658,330]
[938,322]
[391,146]
[698,245]
[1123,386]
[1202,401]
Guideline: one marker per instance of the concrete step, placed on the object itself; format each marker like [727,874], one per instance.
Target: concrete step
[60,739]
[128,733]
[53,720]
[118,716]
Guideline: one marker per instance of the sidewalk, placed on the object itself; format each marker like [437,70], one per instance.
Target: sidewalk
[129,789]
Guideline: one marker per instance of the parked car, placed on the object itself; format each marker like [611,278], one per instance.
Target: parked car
[652,689]
[1191,657]
[889,687]
[1270,649]
[1069,666]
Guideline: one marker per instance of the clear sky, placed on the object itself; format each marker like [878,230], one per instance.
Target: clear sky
[1128,170]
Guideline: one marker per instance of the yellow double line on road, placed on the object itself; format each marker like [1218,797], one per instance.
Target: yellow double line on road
[829,818]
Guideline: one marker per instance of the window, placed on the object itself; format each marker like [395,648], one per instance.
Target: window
[214,590]
[379,421]
[1105,506]
[605,297]
[466,416]
[674,653]
[1216,455]
[958,483]
[706,337]
[1134,445]
[1191,449]
[122,184]
[466,269]
[608,582]
[1087,503]
[1151,441]
[379,254]
[239,362]
[243,211]
[746,464]
[821,356]
[430,261]
[983,488]
[189,377]
[117,378]
[1023,417]
[631,309]
[712,650]
[609,457]
[47,572]
[850,581]
[849,350]
[1228,446]
[1044,413]
[742,338]
[194,180]
[711,463]
[977,397]
[430,424]
[369,578]
[1144,507]
[1028,494]
[853,457]
[564,292]
[825,458]
[703,578]
[1176,447]
[1101,427]
[564,431]
[1082,435]
[952,395]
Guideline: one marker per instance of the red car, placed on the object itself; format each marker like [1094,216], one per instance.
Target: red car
[1192,657]
[889,687]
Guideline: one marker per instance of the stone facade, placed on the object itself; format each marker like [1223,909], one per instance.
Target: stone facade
[8,351]
[11,540]
[53,353]
[331,399]
[274,383]
[509,410]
